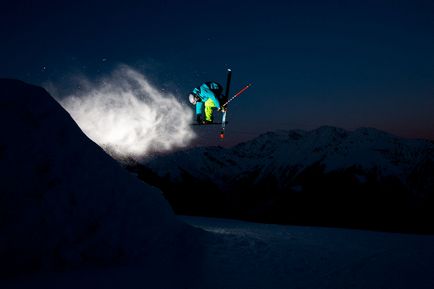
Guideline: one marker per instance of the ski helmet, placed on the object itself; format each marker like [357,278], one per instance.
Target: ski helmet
[192,98]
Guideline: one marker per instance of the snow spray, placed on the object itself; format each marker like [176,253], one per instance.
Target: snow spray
[128,117]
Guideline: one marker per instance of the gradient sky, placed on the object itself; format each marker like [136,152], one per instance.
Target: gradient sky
[312,63]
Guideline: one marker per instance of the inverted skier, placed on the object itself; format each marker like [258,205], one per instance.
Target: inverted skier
[207,98]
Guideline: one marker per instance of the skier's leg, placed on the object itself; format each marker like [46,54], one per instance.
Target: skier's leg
[209,106]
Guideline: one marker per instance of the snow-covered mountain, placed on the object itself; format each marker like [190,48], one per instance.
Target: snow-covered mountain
[63,201]
[329,176]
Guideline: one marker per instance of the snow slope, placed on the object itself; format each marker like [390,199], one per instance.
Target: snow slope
[244,255]
[249,255]
[63,201]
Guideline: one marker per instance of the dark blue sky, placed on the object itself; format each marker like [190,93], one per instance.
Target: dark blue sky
[312,63]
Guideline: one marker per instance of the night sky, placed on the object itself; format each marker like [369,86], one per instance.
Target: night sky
[312,63]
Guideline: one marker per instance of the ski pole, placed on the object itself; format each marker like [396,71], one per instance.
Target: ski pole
[228,83]
[237,94]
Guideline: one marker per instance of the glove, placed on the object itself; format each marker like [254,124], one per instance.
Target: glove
[222,109]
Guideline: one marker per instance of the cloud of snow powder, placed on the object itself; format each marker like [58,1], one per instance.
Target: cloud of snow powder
[128,117]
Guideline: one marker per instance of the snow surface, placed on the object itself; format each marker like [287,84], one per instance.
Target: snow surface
[63,201]
[236,254]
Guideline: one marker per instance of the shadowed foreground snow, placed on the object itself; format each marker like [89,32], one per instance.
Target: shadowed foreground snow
[249,255]
[64,203]
[236,254]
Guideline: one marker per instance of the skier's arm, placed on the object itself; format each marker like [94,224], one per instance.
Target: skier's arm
[199,108]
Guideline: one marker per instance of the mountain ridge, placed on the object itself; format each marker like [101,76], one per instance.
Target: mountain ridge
[263,179]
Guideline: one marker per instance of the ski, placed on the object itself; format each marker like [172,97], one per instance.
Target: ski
[211,123]
[225,100]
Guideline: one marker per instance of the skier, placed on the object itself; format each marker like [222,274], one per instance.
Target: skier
[207,97]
